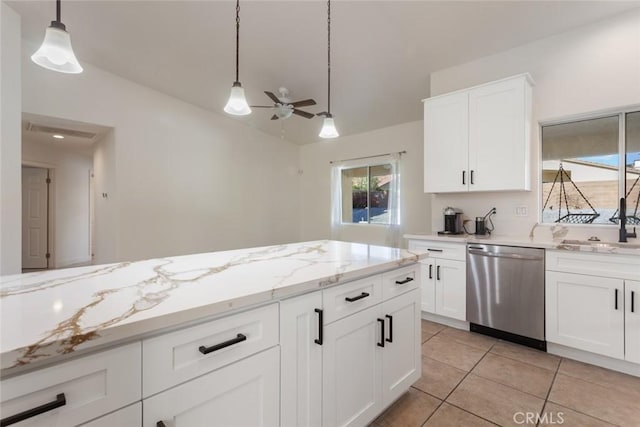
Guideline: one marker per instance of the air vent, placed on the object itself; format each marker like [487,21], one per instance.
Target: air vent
[66,132]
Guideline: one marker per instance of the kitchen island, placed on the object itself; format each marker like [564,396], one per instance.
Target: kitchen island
[158,317]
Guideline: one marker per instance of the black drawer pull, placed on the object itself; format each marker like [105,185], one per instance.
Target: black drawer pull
[161,424]
[61,400]
[381,343]
[352,299]
[464,174]
[390,339]
[430,271]
[320,321]
[616,299]
[232,341]
[434,250]
[633,294]
[438,273]
[471,177]
[405,281]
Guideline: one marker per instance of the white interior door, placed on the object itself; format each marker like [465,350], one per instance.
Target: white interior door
[34,217]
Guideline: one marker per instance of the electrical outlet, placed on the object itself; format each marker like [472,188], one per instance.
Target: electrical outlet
[522,211]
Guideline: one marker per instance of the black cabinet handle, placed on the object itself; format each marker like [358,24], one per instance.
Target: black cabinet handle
[161,424]
[388,316]
[352,299]
[430,271]
[616,299]
[438,273]
[232,341]
[320,317]
[61,400]
[434,250]
[381,343]
[632,302]
[405,281]
[471,177]
[464,174]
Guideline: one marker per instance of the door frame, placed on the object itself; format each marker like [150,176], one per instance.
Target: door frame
[51,211]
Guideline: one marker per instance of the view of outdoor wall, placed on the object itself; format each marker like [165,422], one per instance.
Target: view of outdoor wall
[365,194]
[580,170]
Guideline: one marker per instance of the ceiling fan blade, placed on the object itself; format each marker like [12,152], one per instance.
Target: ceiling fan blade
[304,103]
[273,97]
[262,106]
[274,117]
[303,113]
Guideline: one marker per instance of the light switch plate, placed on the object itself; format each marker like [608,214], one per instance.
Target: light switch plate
[522,210]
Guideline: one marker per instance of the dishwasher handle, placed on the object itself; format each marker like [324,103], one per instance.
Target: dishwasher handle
[506,255]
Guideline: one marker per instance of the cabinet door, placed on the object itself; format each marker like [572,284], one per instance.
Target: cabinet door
[245,393]
[451,289]
[632,321]
[428,286]
[582,312]
[401,361]
[446,143]
[131,416]
[499,136]
[301,361]
[352,366]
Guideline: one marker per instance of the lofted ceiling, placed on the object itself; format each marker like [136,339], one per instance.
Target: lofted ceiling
[382,51]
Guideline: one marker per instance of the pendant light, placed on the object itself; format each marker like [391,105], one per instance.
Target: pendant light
[237,103]
[56,53]
[328,126]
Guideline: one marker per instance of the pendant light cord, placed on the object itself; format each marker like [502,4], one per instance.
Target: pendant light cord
[329,57]
[237,39]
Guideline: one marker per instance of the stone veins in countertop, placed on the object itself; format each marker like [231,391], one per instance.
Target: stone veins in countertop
[51,313]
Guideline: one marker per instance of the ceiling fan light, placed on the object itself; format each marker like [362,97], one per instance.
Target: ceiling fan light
[328,129]
[237,104]
[56,53]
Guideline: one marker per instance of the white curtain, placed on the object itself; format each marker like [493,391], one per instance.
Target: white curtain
[393,233]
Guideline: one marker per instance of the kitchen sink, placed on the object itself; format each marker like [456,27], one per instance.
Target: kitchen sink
[599,246]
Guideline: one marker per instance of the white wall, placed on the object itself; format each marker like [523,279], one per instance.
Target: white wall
[591,68]
[186,180]
[105,239]
[315,187]
[69,199]
[10,134]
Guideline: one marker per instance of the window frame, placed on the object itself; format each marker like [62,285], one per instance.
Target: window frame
[621,113]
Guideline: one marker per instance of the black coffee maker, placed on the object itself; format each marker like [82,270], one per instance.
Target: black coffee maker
[452,222]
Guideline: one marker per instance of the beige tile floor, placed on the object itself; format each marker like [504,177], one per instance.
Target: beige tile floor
[473,380]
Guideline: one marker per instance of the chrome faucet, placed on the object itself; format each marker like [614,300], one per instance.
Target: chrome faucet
[623,222]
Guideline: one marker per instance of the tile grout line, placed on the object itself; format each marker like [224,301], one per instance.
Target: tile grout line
[553,381]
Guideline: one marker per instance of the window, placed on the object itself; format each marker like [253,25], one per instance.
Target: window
[365,194]
[587,166]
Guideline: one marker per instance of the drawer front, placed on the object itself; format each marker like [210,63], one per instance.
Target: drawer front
[343,300]
[131,416]
[437,249]
[399,281]
[176,357]
[92,386]
[594,264]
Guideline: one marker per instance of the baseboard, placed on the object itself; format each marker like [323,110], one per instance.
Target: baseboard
[448,321]
[594,359]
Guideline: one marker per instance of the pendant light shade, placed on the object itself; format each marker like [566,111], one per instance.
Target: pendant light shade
[328,126]
[237,104]
[56,53]
[328,129]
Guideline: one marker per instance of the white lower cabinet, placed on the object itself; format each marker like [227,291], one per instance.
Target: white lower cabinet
[301,361]
[585,312]
[125,417]
[369,359]
[244,393]
[444,286]
[632,321]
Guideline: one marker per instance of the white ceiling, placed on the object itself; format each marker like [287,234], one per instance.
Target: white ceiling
[382,51]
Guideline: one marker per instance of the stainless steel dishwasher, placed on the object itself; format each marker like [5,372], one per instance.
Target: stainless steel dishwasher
[505,293]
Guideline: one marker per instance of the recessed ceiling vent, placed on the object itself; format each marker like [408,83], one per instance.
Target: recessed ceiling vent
[33,127]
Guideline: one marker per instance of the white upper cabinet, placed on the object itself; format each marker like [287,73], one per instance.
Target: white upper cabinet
[478,139]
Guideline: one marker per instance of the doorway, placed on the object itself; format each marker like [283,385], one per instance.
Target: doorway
[35,218]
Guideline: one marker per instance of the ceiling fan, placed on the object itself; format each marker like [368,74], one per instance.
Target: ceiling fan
[284,108]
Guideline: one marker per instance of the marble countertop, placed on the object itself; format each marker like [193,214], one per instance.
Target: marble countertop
[48,314]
